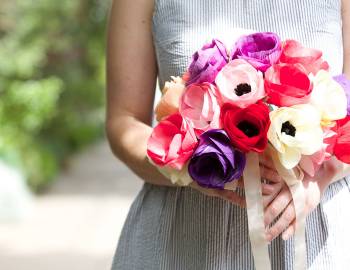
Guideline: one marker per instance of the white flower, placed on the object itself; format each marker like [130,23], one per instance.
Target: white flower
[295,131]
[176,177]
[328,97]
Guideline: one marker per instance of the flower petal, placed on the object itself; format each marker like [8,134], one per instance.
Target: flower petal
[290,158]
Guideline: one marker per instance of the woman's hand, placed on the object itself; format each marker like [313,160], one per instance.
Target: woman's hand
[228,195]
[272,183]
[314,187]
[283,204]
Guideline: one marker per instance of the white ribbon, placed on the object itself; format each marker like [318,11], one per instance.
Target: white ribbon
[293,179]
[255,211]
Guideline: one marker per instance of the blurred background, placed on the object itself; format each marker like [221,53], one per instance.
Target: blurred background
[63,196]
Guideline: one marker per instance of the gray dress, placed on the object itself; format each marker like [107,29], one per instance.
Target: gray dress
[180,228]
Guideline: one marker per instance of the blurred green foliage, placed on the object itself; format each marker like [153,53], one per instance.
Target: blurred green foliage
[51,82]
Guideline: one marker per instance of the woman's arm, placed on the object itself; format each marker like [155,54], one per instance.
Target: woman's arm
[131,81]
[346,35]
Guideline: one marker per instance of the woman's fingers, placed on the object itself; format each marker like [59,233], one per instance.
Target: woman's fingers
[289,232]
[240,183]
[271,189]
[266,161]
[270,174]
[277,205]
[228,195]
[232,197]
[284,221]
[268,197]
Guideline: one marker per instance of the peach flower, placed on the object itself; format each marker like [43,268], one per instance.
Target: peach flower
[169,102]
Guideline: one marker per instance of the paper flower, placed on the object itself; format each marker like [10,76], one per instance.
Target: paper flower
[176,177]
[247,127]
[345,83]
[172,142]
[260,49]
[287,85]
[295,131]
[295,53]
[207,62]
[169,102]
[240,83]
[311,163]
[328,97]
[215,162]
[342,144]
[200,107]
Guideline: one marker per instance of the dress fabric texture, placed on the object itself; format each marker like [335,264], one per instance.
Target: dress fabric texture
[180,228]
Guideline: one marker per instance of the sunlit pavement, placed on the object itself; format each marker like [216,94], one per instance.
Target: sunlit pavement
[77,222]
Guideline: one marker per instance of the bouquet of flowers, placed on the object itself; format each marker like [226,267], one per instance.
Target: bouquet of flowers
[262,95]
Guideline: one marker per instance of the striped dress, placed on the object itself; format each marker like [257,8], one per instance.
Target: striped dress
[180,228]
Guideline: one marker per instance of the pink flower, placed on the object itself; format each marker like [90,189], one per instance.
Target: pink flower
[295,53]
[240,83]
[310,164]
[287,85]
[172,142]
[199,105]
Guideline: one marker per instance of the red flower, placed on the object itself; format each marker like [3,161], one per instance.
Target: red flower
[287,85]
[311,59]
[342,144]
[246,127]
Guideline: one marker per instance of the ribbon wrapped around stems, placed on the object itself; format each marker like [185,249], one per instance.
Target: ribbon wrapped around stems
[293,179]
[255,211]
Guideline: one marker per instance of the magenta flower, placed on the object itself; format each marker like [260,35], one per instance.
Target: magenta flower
[345,83]
[207,62]
[261,50]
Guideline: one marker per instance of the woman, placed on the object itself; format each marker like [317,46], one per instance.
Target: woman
[170,227]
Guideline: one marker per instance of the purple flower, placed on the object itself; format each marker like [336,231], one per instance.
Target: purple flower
[261,50]
[345,83]
[207,62]
[215,162]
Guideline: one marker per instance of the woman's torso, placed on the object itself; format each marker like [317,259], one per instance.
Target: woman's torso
[180,228]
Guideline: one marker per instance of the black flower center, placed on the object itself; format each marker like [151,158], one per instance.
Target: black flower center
[248,129]
[242,89]
[288,128]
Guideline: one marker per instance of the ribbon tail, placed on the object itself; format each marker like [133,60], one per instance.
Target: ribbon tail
[255,211]
[298,194]
[294,180]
